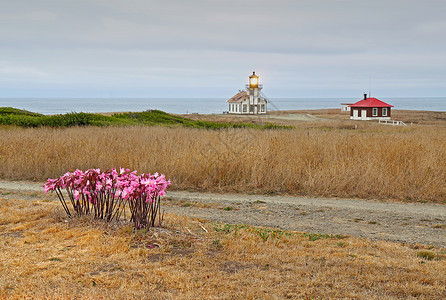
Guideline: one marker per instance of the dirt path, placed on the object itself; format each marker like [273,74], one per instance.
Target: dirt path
[411,223]
[289,116]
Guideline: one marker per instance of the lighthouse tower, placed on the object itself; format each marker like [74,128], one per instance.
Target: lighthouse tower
[253,90]
[249,101]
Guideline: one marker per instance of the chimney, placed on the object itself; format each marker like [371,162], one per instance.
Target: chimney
[365,96]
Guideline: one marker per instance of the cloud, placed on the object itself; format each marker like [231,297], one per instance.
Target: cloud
[9,71]
[149,44]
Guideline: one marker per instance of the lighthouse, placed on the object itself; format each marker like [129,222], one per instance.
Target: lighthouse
[249,101]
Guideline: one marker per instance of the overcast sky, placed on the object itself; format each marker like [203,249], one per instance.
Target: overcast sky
[208,48]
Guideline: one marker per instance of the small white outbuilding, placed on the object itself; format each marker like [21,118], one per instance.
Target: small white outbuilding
[345,106]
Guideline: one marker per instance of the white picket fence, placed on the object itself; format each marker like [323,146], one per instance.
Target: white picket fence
[392,122]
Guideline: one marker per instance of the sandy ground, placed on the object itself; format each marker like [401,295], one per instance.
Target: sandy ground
[399,222]
[290,116]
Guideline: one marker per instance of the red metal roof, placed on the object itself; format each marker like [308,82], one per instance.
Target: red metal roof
[371,102]
[239,97]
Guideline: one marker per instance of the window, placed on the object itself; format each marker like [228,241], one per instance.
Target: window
[262,108]
[245,107]
[384,111]
[375,112]
[251,108]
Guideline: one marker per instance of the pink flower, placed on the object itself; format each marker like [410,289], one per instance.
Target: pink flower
[98,186]
[50,185]
[76,195]
[125,184]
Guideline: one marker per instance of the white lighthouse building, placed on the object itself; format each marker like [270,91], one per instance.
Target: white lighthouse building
[249,101]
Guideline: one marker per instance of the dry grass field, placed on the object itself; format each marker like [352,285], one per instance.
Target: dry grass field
[45,255]
[325,158]
[42,255]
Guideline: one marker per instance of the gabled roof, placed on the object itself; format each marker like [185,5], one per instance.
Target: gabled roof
[371,102]
[239,97]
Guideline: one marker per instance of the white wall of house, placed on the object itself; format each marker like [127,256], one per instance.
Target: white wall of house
[258,106]
[235,108]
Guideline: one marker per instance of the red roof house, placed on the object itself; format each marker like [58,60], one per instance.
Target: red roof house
[370,109]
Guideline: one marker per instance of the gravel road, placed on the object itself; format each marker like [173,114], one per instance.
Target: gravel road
[399,222]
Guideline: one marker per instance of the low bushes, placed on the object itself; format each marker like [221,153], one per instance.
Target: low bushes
[66,120]
[21,118]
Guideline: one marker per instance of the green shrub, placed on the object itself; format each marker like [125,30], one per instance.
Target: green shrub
[426,254]
[16,111]
[22,118]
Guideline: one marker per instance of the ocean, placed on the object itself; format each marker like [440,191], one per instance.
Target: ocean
[198,105]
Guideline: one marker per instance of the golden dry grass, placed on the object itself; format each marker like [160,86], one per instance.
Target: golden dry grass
[329,159]
[44,256]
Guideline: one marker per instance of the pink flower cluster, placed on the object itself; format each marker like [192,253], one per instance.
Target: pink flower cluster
[92,184]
